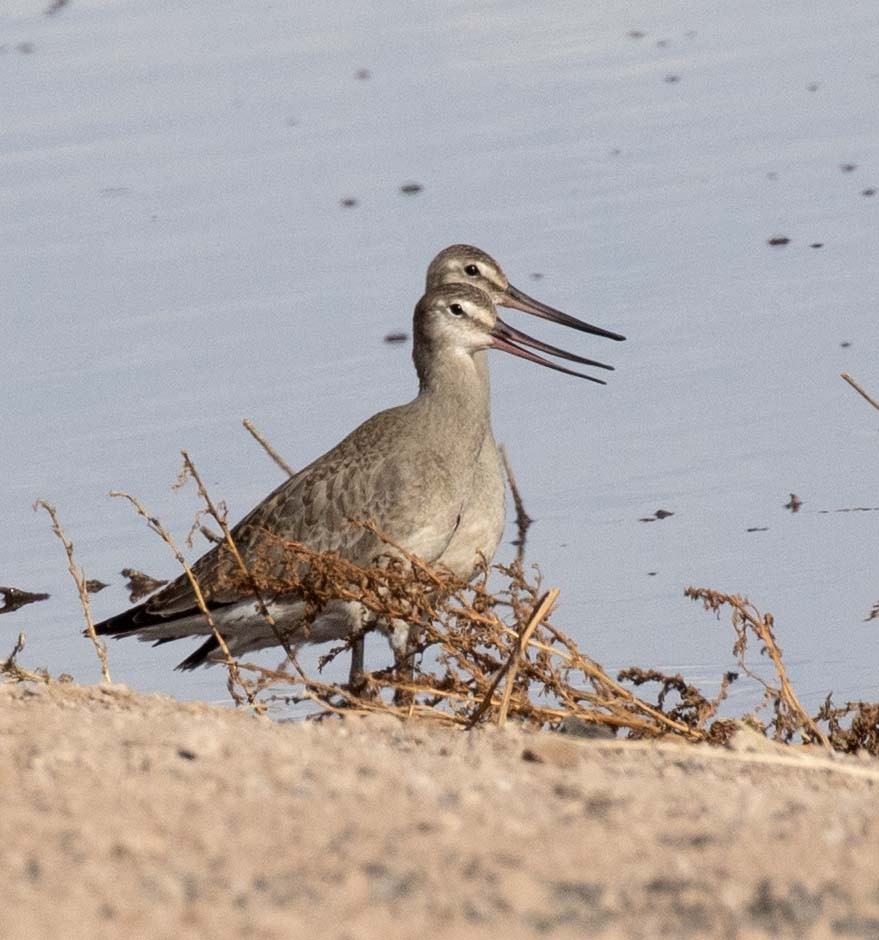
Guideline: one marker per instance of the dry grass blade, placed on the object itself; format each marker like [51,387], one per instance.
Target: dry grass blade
[267,447]
[544,608]
[864,394]
[81,583]
[235,678]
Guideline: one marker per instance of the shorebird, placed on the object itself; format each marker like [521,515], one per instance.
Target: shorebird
[482,522]
[408,469]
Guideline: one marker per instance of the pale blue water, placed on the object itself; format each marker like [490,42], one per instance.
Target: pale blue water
[175,258]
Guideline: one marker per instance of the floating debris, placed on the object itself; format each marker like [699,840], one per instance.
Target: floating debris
[868,192]
[812,86]
[409,189]
[778,240]
[845,344]
[536,276]
[26,48]
[363,75]
[659,514]
[817,245]
[635,34]
[758,528]
[13,598]
[793,503]
[396,337]
[55,6]
[94,586]
[349,202]
[848,167]
[671,79]
[140,584]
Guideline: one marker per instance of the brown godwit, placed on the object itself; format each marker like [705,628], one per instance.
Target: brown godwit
[409,469]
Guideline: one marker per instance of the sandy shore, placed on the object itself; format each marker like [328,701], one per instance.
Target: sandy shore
[133,816]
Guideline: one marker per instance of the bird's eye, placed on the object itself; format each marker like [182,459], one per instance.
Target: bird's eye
[471,270]
[456,310]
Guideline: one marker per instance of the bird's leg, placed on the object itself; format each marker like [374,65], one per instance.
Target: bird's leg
[403,642]
[355,676]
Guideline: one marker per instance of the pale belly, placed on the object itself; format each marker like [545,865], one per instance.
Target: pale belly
[482,518]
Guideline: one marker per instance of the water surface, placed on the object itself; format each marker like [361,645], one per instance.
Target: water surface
[176,258]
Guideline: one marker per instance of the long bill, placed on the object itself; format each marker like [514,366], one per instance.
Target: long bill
[519,300]
[524,339]
[504,338]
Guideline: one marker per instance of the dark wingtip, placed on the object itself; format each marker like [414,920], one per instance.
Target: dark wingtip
[200,656]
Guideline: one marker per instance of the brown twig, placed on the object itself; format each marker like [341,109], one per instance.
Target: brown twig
[79,580]
[231,664]
[745,615]
[267,447]
[220,518]
[860,390]
[544,608]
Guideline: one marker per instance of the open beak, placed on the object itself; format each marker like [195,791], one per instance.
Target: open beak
[507,339]
[523,339]
[515,298]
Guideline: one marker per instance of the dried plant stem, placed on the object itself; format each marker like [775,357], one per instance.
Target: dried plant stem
[267,447]
[235,678]
[744,614]
[544,608]
[220,519]
[9,666]
[523,520]
[79,580]
[860,390]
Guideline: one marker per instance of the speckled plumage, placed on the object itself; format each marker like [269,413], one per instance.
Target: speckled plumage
[409,469]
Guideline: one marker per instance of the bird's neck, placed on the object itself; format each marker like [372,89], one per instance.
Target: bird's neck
[455,384]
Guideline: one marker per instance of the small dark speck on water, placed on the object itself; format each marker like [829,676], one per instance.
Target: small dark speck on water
[772,175]
[348,202]
[652,574]
[396,337]
[848,167]
[55,6]
[794,503]
[615,152]
[663,43]
[291,122]
[536,276]
[691,34]
[845,344]
[94,586]
[636,34]
[778,240]
[758,528]
[813,86]
[410,189]
[672,79]
[363,75]
[817,245]
[659,514]
[868,192]
[26,48]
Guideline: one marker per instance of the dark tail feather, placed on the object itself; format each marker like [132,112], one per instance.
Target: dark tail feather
[129,621]
[200,656]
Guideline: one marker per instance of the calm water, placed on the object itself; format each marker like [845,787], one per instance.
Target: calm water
[175,258]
